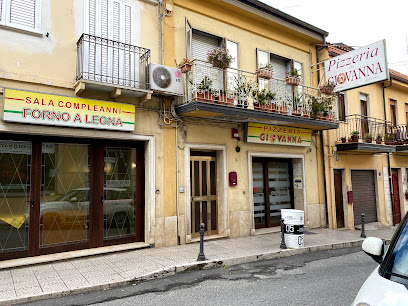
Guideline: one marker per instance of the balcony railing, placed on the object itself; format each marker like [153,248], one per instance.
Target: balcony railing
[359,128]
[239,88]
[111,62]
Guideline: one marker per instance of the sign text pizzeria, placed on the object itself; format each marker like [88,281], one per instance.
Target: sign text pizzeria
[38,108]
[275,134]
[358,68]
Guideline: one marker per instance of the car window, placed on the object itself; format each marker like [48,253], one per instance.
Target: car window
[397,262]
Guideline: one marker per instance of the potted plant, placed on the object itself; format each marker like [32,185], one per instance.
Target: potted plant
[354,136]
[378,140]
[265,72]
[222,97]
[316,107]
[219,58]
[297,106]
[368,138]
[262,97]
[328,88]
[388,139]
[204,92]
[399,142]
[243,89]
[343,139]
[185,65]
[350,140]
[293,77]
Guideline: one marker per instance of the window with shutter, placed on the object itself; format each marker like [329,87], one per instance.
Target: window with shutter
[21,14]
[111,20]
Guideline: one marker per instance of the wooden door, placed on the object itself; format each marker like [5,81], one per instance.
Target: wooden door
[396,210]
[203,195]
[338,194]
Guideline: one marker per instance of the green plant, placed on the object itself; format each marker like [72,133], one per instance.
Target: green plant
[389,137]
[317,107]
[353,133]
[267,66]
[243,87]
[219,58]
[263,96]
[368,135]
[343,138]
[205,83]
[379,136]
[293,73]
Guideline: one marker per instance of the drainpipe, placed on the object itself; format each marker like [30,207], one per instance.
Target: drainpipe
[322,139]
[161,30]
[388,154]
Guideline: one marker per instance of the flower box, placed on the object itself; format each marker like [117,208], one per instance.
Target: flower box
[203,96]
[326,91]
[291,80]
[186,68]
[224,99]
[264,73]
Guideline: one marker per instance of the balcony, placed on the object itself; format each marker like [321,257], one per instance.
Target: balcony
[112,66]
[362,134]
[237,95]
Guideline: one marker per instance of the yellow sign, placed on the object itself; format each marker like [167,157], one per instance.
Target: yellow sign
[39,108]
[281,135]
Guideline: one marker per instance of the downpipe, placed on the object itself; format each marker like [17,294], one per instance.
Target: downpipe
[388,154]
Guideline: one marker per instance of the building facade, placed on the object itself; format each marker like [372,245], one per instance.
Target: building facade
[99,147]
[367,175]
[80,139]
[237,156]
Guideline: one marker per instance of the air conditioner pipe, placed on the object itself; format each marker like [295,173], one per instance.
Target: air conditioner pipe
[388,154]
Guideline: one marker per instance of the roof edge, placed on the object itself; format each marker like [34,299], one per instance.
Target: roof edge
[281,15]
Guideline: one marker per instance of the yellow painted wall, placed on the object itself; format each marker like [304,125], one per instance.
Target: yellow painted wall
[52,60]
[398,91]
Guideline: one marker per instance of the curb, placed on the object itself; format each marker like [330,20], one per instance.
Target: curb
[172,270]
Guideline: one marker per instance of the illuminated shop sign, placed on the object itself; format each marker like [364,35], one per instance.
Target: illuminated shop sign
[358,68]
[39,108]
[276,134]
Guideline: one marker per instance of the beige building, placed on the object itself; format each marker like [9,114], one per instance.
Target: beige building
[247,145]
[81,148]
[104,142]
[368,175]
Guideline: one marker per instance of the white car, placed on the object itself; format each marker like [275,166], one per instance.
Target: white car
[72,208]
[388,284]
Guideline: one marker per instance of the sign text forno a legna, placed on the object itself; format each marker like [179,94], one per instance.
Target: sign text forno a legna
[358,68]
[45,109]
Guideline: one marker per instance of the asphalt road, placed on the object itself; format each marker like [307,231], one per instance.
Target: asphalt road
[321,278]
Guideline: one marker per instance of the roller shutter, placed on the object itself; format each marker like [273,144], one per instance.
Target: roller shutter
[364,196]
[202,44]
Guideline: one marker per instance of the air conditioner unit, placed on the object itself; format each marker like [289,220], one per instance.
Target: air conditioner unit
[166,80]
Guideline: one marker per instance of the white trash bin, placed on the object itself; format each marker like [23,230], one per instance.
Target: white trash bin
[294,221]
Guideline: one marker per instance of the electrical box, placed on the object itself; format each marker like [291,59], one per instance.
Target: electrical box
[235,133]
[350,197]
[233,179]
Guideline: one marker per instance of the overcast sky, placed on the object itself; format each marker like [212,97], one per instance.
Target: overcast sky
[357,23]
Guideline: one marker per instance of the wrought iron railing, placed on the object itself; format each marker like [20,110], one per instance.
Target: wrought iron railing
[359,128]
[239,88]
[111,62]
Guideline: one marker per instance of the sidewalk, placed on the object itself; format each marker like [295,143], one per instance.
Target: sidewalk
[56,279]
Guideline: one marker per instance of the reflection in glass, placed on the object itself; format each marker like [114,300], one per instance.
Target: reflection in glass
[64,194]
[119,192]
[279,189]
[15,159]
[259,193]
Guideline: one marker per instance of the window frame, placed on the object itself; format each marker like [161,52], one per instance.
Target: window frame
[5,18]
